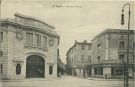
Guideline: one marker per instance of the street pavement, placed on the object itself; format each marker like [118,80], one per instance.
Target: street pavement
[67,81]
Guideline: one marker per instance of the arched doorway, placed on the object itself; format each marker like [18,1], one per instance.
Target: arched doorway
[35,67]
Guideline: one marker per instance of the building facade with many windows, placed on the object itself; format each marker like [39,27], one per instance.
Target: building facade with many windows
[109,53]
[78,58]
[28,48]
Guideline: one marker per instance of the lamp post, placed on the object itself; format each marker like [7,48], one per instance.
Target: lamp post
[122,22]
[0,7]
[0,33]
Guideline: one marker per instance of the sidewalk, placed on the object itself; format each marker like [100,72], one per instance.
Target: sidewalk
[103,79]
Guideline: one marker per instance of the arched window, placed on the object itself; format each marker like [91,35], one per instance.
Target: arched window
[18,69]
[50,70]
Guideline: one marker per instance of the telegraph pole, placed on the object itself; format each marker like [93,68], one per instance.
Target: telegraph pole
[122,22]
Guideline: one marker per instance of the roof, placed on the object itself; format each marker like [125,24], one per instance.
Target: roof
[31,22]
[76,43]
[122,31]
[32,18]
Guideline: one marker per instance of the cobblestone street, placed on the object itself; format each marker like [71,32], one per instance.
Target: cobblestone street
[67,81]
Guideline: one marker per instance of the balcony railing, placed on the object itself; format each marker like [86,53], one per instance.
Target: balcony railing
[115,61]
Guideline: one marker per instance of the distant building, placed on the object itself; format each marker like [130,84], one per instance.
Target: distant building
[61,67]
[28,48]
[78,58]
[109,52]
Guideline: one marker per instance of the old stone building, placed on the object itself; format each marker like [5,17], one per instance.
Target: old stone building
[78,58]
[28,48]
[105,56]
[109,53]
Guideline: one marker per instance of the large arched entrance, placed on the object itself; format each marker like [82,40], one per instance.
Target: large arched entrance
[35,67]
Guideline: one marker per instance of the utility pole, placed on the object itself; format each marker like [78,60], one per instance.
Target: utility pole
[122,22]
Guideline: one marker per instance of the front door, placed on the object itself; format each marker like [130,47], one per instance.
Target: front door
[35,67]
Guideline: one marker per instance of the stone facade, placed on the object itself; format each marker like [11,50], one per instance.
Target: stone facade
[23,39]
[109,53]
[78,58]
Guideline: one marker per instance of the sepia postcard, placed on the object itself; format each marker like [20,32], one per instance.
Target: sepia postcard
[67,43]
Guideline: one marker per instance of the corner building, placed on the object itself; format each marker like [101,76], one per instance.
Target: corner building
[28,48]
[109,53]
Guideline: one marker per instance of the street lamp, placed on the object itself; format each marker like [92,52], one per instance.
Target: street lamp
[0,33]
[122,22]
[0,7]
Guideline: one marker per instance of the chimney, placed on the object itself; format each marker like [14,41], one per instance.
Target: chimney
[85,41]
[75,41]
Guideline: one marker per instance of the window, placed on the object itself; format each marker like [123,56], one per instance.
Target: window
[99,46]
[121,44]
[38,40]
[1,66]
[133,45]
[83,47]
[117,71]
[18,69]
[50,70]
[75,48]
[82,58]
[29,38]
[121,57]
[1,36]
[44,42]
[98,70]
[72,59]
[89,47]
[75,58]
[89,58]
[133,58]
[98,59]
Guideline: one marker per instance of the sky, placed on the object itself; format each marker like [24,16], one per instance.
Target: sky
[73,19]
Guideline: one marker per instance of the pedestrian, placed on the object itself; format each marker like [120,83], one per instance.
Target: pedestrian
[75,74]
[59,75]
[105,76]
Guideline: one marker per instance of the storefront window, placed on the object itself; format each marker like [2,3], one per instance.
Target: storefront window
[117,71]
[98,70]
